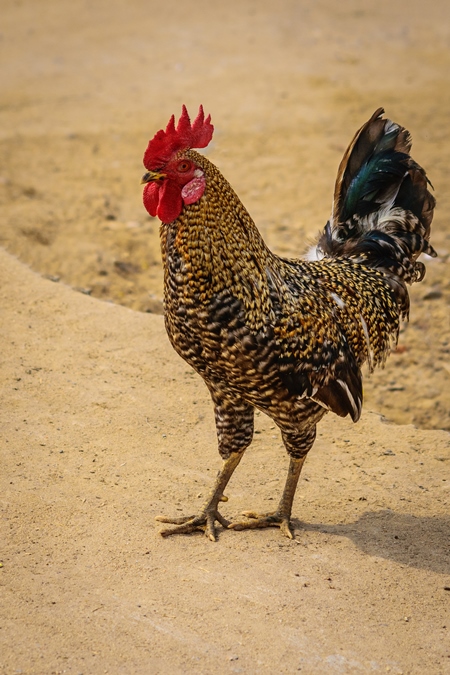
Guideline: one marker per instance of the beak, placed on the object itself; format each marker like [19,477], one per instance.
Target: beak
[152,177]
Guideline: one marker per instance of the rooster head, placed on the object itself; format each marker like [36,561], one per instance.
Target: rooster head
[173,179]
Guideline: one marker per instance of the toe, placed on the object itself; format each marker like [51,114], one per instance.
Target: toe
[251,514]
[174,521]
[257,521]
[286,529]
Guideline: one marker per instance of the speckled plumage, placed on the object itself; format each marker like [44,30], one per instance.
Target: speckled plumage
[289,337]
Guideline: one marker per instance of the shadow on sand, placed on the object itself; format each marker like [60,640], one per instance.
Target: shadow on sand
[416,541]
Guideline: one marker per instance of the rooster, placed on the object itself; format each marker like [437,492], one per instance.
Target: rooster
[287,337]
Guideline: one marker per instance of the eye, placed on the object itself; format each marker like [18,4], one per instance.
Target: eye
[184,166]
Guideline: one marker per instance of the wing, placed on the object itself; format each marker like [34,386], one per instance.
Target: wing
[333,316]
[337,388]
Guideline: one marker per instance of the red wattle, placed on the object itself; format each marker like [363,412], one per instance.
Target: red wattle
[166,200]
[170,202]
[151,198]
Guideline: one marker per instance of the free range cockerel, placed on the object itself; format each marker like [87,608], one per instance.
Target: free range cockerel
[287,337]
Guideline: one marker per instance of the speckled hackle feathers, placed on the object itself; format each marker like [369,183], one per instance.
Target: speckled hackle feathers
[288,337]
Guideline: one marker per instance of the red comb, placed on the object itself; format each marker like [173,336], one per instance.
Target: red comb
[165,143]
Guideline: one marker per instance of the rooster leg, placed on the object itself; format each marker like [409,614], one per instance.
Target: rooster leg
[297,444]
[282,516]
[205,521]
[234,426]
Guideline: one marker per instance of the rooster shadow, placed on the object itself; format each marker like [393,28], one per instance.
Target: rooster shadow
[416,541]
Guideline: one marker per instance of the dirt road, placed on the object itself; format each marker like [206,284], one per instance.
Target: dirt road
[104,427]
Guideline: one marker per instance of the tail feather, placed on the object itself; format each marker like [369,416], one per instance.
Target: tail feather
[382,207]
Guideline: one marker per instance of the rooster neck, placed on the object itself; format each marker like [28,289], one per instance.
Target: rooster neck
[214,246]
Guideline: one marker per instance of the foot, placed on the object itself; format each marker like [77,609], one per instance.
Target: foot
[204,522]
[258,520]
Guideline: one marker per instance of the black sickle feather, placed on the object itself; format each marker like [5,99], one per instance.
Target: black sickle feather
[380,175]
[382,208]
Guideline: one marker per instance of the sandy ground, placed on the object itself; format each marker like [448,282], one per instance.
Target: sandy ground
[103,426]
